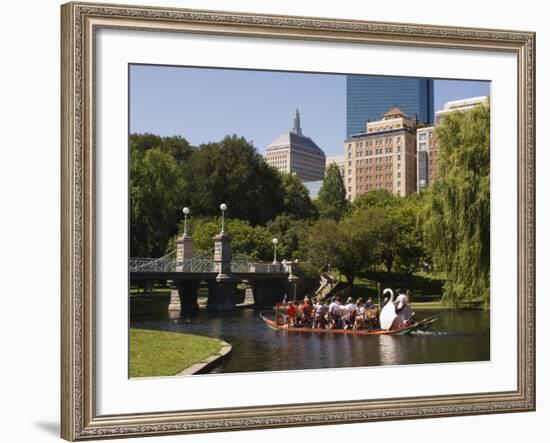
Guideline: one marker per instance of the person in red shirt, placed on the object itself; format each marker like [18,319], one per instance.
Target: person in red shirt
[307,309]
[291,314]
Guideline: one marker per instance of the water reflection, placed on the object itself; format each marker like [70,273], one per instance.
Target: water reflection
[456,336]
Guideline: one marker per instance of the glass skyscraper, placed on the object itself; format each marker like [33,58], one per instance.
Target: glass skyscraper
[369,97]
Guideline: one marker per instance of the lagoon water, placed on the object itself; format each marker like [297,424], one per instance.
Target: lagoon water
[457,336]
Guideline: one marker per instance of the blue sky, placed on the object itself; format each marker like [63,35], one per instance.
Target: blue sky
[205,105]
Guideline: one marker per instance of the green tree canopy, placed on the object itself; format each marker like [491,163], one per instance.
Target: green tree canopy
[288,230]
[351,245]
[457,216]
[155,183]
[296,198]
[232,171]
[247,241]
[332,202]
[400,233]
[409,244]
[176,146]
[377,198]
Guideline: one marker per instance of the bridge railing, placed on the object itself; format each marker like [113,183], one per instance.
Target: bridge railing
[244,266]
[152,265]
[202,266]
[195,265]
[170,265]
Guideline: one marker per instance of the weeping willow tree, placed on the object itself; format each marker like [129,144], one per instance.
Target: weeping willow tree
[457,217]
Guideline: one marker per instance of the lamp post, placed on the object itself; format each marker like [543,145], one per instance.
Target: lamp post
[185,214]
[223,208]
[275,241]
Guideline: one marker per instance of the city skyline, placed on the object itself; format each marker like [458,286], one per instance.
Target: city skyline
[206,104]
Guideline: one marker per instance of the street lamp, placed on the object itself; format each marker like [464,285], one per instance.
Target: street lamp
[223,208]
[275,241]
[185,214]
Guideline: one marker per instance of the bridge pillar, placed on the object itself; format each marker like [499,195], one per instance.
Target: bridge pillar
[248,293]
[222,256]
[183,297]
[175,302]
[184,250]
[222,295]
[222,292]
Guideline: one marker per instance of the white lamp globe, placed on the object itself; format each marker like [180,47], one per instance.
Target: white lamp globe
[185,210]
[275,241]
[223,207]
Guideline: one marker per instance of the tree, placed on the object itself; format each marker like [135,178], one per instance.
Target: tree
[176,146]
[233,172]
[289,230]
[155,184]
[377,198]
[457,215]
[296,198]
[410,250]
[332,202]
[247,241]
[351,245]
[360,243]
[319,245]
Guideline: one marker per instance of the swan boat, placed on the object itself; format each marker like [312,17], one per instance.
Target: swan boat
[418,326]
[387,317]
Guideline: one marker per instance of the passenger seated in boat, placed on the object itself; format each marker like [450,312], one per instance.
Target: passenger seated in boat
[335,313]
[370,304]
[298,315]
[319,315]
[291,314]
[372,313]
[307,309]
[349,313]
[360,311]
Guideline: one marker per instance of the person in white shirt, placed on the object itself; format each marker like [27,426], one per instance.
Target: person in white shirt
[349,313]
[335,312]
[403,308]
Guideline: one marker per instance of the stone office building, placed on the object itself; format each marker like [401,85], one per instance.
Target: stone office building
[383,156]
[294,153]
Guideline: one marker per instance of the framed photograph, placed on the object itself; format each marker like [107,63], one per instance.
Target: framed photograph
[283,221]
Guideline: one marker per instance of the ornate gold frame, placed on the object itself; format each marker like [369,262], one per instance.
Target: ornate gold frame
[79,23]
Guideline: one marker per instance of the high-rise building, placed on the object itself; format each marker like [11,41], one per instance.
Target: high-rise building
[383,156]
[426,157]
[368,97]
[294,153]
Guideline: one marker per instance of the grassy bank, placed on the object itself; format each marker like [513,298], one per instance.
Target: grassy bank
[417,306]
[155,353]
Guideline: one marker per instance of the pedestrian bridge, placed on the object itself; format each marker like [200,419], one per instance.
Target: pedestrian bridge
[265,282]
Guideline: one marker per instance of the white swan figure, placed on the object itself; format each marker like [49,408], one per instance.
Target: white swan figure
[387,315]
